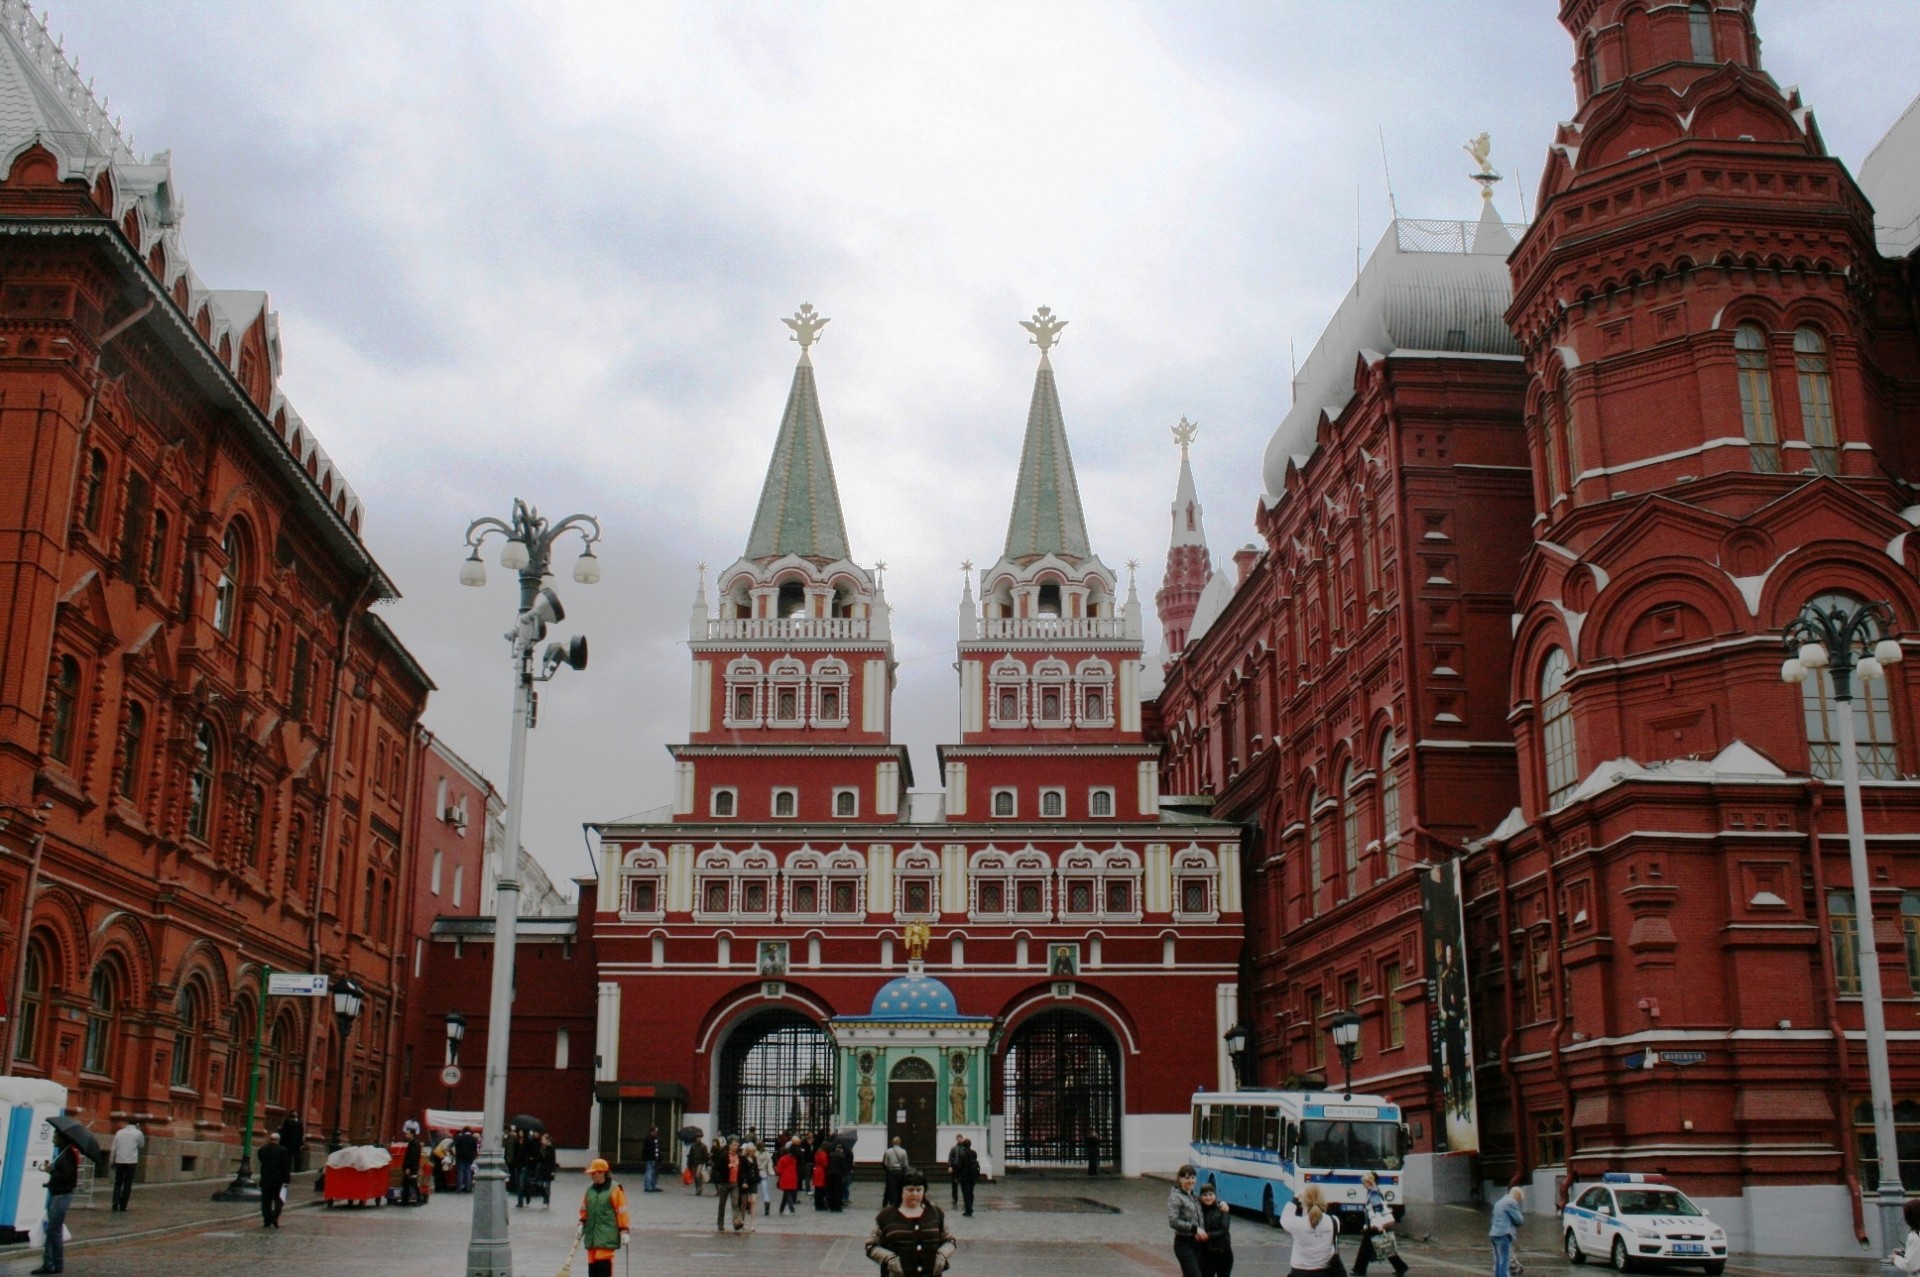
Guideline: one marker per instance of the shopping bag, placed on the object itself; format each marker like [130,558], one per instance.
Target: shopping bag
[686,1176]
[1385,1246]
[37,1235]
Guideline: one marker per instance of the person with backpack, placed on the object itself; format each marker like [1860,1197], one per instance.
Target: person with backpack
[603,1219]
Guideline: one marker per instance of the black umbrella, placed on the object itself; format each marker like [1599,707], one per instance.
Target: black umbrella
[79,1136]
[846,1136]
[688,1134]
[527,1123]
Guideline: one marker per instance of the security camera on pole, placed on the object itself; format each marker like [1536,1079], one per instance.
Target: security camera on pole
[529,538]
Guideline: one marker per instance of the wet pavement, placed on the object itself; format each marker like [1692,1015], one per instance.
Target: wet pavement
[1062,1226]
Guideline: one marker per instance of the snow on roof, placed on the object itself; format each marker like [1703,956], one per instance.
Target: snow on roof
[1890,176]
[1429,286]
[1736,763]
[1213,601]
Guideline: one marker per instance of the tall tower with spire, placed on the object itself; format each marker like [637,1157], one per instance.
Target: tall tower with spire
[1049,653]
[1188,563]
[795,652]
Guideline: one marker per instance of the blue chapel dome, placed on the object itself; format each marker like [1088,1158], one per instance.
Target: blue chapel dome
[915,996]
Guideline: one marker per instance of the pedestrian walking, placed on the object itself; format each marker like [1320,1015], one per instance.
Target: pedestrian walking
[730,1169]
[537,1168]
[510,1154]
[839,1176]
[1509,1213]
[276,1172]
[697,1163]
[750,1181]
[953,1174]
[910,1238]
[63,1174]
[821,1161]
[1186,1221]
[442,1158]
[787,1171]
[603,1219]
[1316,1250]
[1906,1258]
[410,1167]
[896,1164]
[967,1173]
[1377,1240]
[293,1138]
[650,1157]
[465,1149]
[763,1169]
[128,1142]
[1216,1221]
[1093,1153]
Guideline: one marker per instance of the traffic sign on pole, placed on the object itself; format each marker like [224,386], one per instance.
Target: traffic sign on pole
[296,984]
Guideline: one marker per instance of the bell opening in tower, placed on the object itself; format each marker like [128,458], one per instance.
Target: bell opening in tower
[1050,599]
[792,601]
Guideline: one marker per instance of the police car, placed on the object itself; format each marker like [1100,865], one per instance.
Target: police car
[1633,1221]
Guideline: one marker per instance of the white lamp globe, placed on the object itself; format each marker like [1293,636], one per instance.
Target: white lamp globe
[1887,651]
[513,555]
[473,571]
[1792,671]
[1813,656]
[1869,668]
[586,569]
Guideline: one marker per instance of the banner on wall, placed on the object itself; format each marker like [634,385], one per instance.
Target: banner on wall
[1449,1021]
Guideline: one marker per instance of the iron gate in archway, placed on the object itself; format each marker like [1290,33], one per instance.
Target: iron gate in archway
[776,1074]
[1060,1084]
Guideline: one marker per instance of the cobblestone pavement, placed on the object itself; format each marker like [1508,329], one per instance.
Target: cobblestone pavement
[1060,1227]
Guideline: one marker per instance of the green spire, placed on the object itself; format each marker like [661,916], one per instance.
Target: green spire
[800,505]
[1046,503]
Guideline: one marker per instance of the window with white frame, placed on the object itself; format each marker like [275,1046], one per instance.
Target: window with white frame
[644,891]
[1053,803]
[714,878]
[846,804]
[1080,893]
[830,679]
[1050,690]
[1005,803]
[753,891]
[806,880]
[786,803]
[1195,886]
[1100,802]
[744,679]
[990,878]
[724,802]
[1032,886]
[1007,693]
[1094,681]
[786,692]
[916,884]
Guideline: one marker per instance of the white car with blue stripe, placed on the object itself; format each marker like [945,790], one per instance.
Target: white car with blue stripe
[1636,1221]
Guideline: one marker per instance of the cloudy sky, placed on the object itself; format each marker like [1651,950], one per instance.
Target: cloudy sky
[541,250]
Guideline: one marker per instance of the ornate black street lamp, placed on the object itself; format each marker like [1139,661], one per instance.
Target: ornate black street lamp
[456,1030]
[348,998]
[1236,1039]
[1346,1037]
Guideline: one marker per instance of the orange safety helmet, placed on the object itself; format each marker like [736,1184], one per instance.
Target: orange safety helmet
[598,1166]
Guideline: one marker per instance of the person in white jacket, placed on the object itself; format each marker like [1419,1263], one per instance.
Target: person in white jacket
[1314,1232]
[1907,1257]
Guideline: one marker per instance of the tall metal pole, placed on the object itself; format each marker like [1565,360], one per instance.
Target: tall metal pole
[1838,631]
[344,1027]
[244,1188]
[489,1253]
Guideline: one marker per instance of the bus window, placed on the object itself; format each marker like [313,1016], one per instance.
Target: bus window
[1199,1124]
[1270,1129]
[1242,1136]
[1215,1119]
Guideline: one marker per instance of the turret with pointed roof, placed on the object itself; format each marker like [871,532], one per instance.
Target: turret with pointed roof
[1188,563]
[1046,515]
[799,511]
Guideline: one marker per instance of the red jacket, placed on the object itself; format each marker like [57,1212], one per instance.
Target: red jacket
[820,1168]
[788,1172]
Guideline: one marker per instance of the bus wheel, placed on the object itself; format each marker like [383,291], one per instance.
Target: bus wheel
[1266,1209]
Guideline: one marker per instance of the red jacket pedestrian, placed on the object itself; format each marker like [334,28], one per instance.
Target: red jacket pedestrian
[820,1168]
[787,1172]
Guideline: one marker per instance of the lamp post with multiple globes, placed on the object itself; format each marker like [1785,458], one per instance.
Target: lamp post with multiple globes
[1856,642]
[1346,1037]
[528,540]
[1236,1040]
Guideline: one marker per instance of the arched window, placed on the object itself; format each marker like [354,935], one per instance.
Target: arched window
[66,708]
[157,551]
[285,1049]
[133,736]
[1350,828]
[386,907]
[186,1037]
[302,678]
[33,1003]
[366,907]
[200,783]
[1557,748]
[1816,399]
[1875,745]
[1314,867]
[792,600]
[1048,603]
[226,586]
[96,489]
[1550,434]
[296,847]
[1700,28]
[1590,56]
[256,826]
[1389,792]
[1756,397]
[97,1055]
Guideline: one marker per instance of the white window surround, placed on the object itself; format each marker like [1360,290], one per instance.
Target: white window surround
[846,792]
[647,863]
[1098,870]
[1052,687]
[743,675]
[916,865]
[1094,797]
[437,857]
[831,675]
[1007,675]
[1012,804]
[1093,675]
[1053,803]
[792,797]
[459,884]
[786,675]
[731,805]
[1196,865]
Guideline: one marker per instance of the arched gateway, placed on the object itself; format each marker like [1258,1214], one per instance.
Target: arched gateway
[1060,1083]
[776,1074]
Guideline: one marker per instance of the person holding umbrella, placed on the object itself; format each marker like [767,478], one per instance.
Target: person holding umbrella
[70,1140]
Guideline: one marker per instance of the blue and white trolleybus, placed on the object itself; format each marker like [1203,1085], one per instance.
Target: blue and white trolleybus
[1260,1149]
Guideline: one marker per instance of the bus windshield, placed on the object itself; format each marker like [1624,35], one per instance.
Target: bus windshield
[1365,1146]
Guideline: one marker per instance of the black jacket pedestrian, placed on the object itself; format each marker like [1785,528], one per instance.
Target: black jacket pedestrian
[63,1173]
[465,1147]
[919,1247]
[966,1166]
[276,1167]
[293,1136]
[650,1149]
